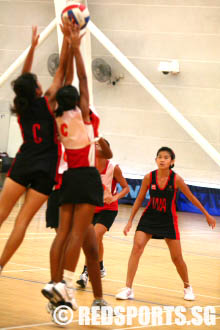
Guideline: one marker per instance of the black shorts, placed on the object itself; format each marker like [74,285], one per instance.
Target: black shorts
[52,211]
[38,180]
[82,185]
[105,217]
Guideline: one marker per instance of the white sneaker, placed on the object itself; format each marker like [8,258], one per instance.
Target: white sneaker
[65,294]
[188,294]
[125,293]
[103,272]
[47,291]
[83,280]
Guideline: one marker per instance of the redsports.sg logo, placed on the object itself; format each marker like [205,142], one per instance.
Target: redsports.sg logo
[132,315]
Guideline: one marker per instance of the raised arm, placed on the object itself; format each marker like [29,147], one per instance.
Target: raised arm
[60,74]
[30,56]
[138,202]
[69,68]
[186,191]
[81,73]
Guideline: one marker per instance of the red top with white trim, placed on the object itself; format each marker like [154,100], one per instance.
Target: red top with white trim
[109,182]
[76,139]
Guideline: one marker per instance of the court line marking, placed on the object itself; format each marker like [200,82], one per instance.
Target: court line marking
[24,270]
[136,327]
[182,236]
[25,265]
[117,281]
[106,294]
[150,326]
[119,232]
[124,239]
[4,234]
[74,321]
[33,325]
[30,238]
[157,247]
[181,232]
[27,326]
[156,287]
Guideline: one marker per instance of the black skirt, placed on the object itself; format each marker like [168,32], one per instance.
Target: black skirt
[160,227]
[82,185]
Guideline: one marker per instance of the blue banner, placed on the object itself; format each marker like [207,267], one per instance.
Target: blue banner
[134,185]
[209,198]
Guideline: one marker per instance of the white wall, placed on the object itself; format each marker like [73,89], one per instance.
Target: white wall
[147,32]
[4,129]
[15,36]
[14,137]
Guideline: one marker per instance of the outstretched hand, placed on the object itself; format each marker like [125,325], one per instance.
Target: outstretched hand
[127,228]
[71,32]
[211,221]
[75,37]
[66,28]
[35,36]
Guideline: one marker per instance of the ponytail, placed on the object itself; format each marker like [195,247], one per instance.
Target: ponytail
[25,89]
[20,105]
[59,112]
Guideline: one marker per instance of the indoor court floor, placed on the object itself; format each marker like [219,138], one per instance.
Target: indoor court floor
[157,283]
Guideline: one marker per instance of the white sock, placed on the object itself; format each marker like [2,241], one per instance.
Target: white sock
[68,277]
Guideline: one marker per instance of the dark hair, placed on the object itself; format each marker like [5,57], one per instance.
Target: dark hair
[170,151]
[25,89]
[67,98]
[107,142]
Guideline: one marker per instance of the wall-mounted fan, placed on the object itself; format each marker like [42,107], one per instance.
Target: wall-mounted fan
[53,63]
[101,70]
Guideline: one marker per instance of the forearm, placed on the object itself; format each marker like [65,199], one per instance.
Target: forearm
[186,191]
[69,68]
[59,76]
[197,203]
[122,193]
[63,57]
[81,71]
[135,209]
[29,60]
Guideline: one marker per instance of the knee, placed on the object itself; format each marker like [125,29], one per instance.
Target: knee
[177,259]
[92,254]
[99,236]
[77,236]
[138,249]
[58,244]
[61,237]
[3,216]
